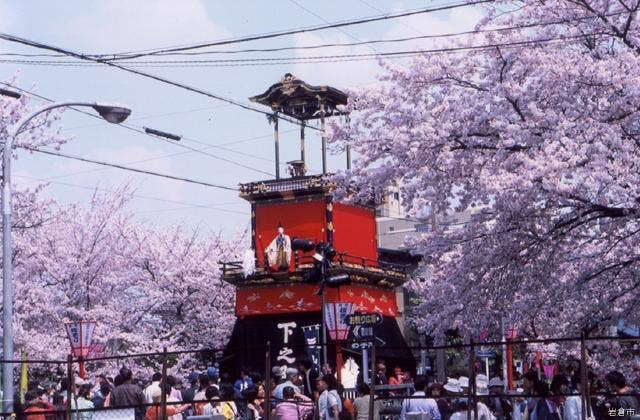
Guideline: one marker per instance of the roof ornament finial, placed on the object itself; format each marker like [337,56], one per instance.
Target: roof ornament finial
[288,78]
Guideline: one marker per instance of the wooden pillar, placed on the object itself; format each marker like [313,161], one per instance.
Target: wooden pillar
[324,139]
[372,381]
[276,139]
[347,121]
[267,383]
[302,125]
[339,360]
[163,398]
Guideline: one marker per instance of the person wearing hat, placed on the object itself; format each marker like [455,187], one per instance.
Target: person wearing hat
[501,407]
[482,391]
[290,380]
[244,382]
[453,386]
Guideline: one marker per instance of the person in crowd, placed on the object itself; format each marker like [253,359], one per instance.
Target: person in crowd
[294,406]
[258,401]
[277,375]
[482,392]
[34,407]
[200,398]
[545,408]
[348,411]
[573,403]
[102,398]
[362,404]
[419,402]
[244,382]
[558,389]
[154,412]
[462,411]
[117,381]
[64,389]
[309,376]
[530,383]
[329,404]
[497,403]
[152,388]
[228,407]
[291,379]
[59,407]
[251,409]
[327,369]
[128,394]
[212,407]
[398,376]
[176,394]
[213,373]
[453,392]
[189,393]
[436,391]
[407,378]
[623,403]
[381,373]
[82,402]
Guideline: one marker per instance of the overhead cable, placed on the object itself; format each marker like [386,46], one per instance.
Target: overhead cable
[35,44]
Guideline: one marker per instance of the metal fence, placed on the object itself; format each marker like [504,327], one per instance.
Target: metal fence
[385,400]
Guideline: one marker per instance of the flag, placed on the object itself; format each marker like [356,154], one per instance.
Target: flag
[24,376]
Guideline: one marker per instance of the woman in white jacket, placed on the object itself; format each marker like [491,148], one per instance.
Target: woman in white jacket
[573,403]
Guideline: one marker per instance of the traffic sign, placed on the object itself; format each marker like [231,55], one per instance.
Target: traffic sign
[362,331]
[365,319]
[486,353]
[361,345]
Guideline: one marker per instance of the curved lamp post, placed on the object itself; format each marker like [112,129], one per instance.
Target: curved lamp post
[111,113]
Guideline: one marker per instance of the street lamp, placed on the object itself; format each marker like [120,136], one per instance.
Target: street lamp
[111,113]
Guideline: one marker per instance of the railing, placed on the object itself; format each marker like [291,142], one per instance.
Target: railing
[281,185]
[391,396]
[341,261]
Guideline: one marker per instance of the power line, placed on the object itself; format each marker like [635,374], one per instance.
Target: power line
[141,130]
[343,44]
[167,155]
[145,197]
[307,30]
[126,168]
[340,57]
[35,44]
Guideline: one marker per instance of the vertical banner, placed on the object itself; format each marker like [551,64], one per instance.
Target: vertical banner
[335,317]
[312,338]
[24,375]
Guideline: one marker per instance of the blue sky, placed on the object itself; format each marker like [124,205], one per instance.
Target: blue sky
[124,25]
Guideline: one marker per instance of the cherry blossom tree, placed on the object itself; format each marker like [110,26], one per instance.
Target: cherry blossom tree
[539,141]
[147,287]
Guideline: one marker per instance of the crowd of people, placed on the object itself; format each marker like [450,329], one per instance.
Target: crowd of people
[305,392]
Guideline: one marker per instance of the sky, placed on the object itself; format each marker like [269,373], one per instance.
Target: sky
[225,132]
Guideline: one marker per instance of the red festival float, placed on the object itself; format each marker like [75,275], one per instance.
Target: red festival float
[307,249]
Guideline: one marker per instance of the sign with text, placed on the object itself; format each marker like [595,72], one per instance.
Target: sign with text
[335,317]
[80,336]
[365,319]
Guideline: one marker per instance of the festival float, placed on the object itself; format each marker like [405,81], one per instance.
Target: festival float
[312,257]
